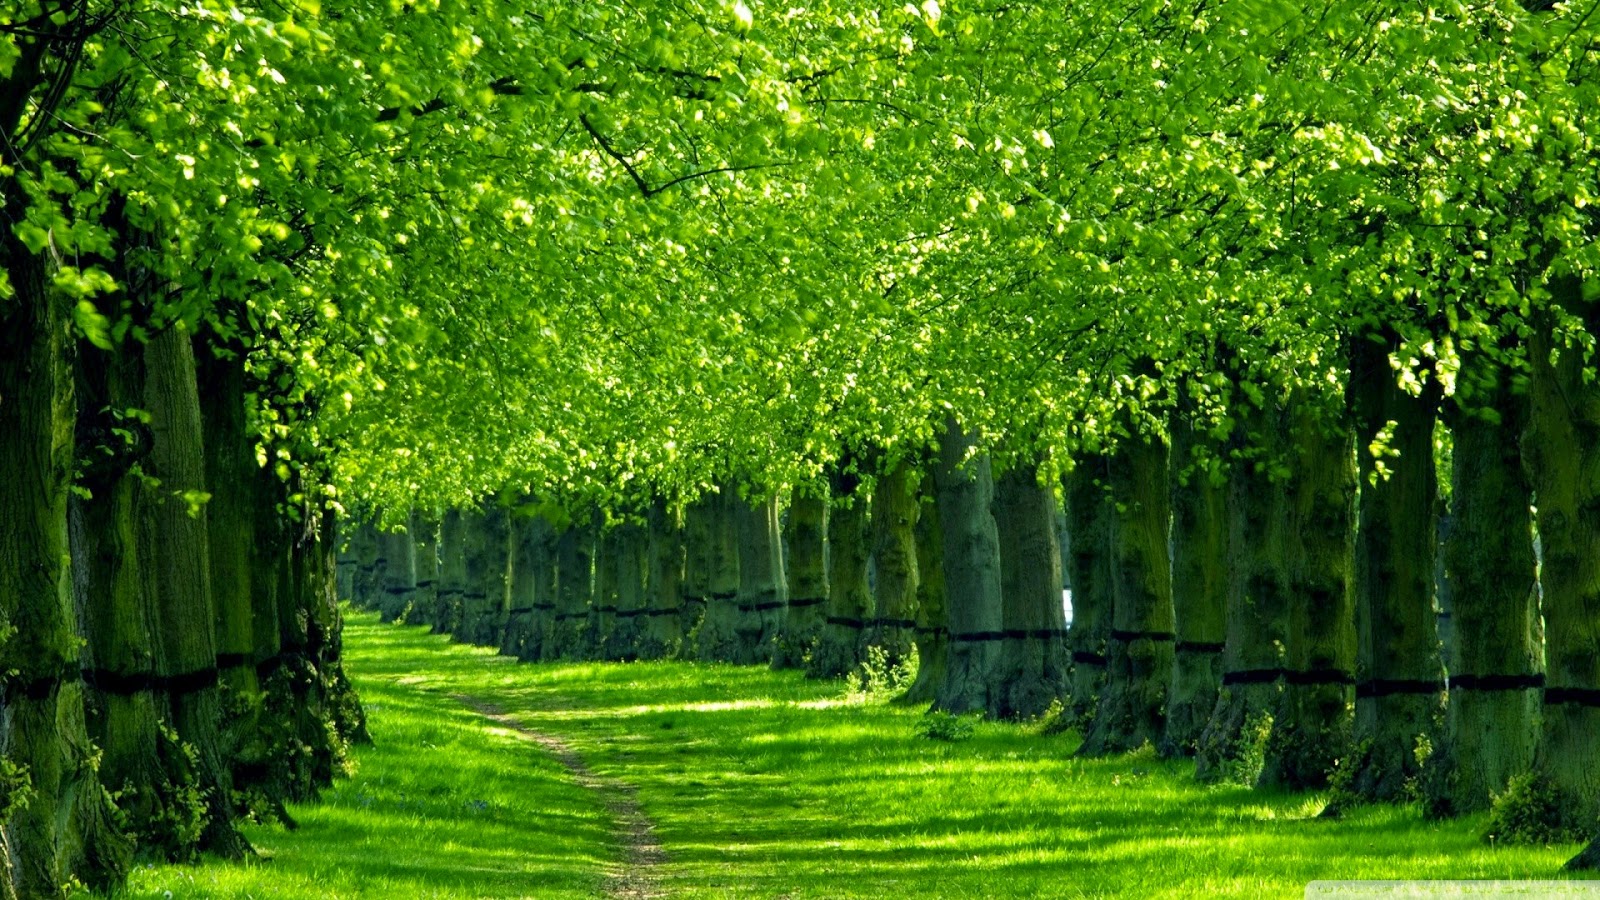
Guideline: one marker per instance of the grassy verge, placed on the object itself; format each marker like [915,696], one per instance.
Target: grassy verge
[764,784]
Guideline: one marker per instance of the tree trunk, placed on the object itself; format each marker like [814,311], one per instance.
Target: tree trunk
[971,573]
[1139,646]
[452,572]
[519,628]
[719,640]
[1492,714]
[1312,726]
[664,585]
[399,574]
[366,587]
[933,623]
[696,569]
[1033,663]
[488,557]
[761,580]
[425,541]
[632,565]
[1199,587]
[574,587]
[176,535]
[1088,509]
[1257,615]
[1400,687]
[895,507]
[838,649]
[603,609]
[1562,451]
[807,573]
[1586,861]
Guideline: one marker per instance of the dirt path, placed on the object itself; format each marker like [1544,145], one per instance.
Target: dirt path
[638,876]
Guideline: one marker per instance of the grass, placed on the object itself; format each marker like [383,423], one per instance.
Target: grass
[763,784]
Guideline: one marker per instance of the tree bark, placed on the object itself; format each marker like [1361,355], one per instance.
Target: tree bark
[696,570]
[1139,646]
[1400,678]
[972,575]
[838,649]
[663,621]
[1312,726]
[519,628]
[895,507]
[933,623]
[762,589]
[603,609]
[574,587]
[807,573]
[485,601]
[1257,614]
[632,566]
[1088,509]
[718,638]
[1034,664]
[1562,451]
[452,572]
[1493,710]
[399,588]
[1199,588]
[366,587]
[425,541]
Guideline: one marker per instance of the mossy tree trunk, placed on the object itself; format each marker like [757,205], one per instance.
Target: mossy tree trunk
[695,585]
[1257,614]
[837,651]
[452,582]
[399,573]
[1034,664]
[1199,585]
[1088,509]
[762,589]
[178,542]
[366,585]
[521,591]
[933,623]
[1492,715]
[603,607]
[806,570]
[425,541]
[971,573]
[1312,725]
[1562,452]
[1400,689]
[895,508]
[574,587]
[484,603]
[1139,648]
[664,585]
[719,638]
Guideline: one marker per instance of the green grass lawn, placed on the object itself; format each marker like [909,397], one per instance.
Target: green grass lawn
[764,784]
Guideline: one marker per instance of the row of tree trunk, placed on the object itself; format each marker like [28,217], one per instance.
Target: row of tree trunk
[169,629]
[1268,607]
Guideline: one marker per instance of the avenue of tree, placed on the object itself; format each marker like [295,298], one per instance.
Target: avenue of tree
[811,336]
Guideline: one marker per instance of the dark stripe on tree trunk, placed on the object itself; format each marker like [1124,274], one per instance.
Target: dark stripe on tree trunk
[226,661]
[1129,637]
[846,623]
[727,595]
[1496,682]
[1085,658]
[1252,676]
[606,609]
[1384,687]
[1199,647]
[762,607]
[1575,696]
[631,613]
[1320,676]
[399,590]
[427,582]
[664,612]
[804,602]
[562,617]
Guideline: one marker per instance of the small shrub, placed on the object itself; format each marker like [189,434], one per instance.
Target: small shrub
[877,675]
[1528,812]
[942,726]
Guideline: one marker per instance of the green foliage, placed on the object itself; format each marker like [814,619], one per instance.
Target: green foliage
[1529,811]
[16,788]
[879,676]
[942,726]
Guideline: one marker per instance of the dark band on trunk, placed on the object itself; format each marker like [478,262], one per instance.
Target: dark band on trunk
[631,613]
[1129,637]
[475,595]
[762,607]
[562,617]
[664,612]
[725,595]
[603,610]
[932,629]
[973,637]
[804,602]
[39,688]
[846,622]
[1252,676]
[521,610]
[226,661]
[124,685]
[894,623]
[399,590]
[425,583]
[1386,687]
[1316,677]
[1575,696]
[447,591]
[1199,647]
[1497,682]
[1085,658]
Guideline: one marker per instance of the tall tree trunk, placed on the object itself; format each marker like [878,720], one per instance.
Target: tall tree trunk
[971,573]
[179,548]
[718,639]
[838,649]
[366,587]
[1562,453]
[933,623]
[1088,509]
[488,552]
[1139,646]
[632,565]
[1312,726]
[425,543]
[762,591]
[1257,614]
[895,507]
[1490,720]
[696,582]
[1400,687]
[1034,665]
[807,573]
[519,628]
[399,573]
[603,610]
[1199,587]
[662,623]
[452,584]
[574,587]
